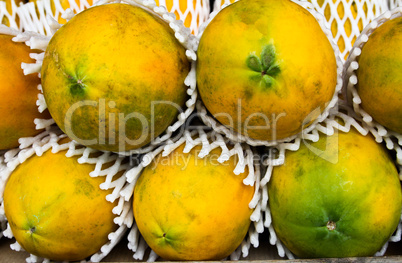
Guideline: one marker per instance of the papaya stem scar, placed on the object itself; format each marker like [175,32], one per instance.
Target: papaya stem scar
[331,225]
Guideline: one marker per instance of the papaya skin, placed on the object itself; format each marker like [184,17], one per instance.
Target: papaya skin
[19,94]
[344,202]
[56,210]
[379,75]
[191,208]
[101,98]
[265,97]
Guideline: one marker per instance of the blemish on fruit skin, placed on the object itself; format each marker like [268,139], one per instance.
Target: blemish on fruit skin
[77,88]
[318,86]
[299,172]
[248,93]
[84,187]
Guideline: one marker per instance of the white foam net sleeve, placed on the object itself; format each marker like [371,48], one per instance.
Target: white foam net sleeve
[394,3]
[210,121]
[40,16]
[219,4]
[392,139]
[195,11]
[11,19]
[112,167]
[182,34]
[366,11]
[276,156]
[208,141]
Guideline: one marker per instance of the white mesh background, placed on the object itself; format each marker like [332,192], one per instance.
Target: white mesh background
[217,4]
[394,3]
[393,140]
[367,10]
[208,141]
[183,34]
[210,121]
[12,18]
[37,16]
[49,141]
[276,156]
[197,11]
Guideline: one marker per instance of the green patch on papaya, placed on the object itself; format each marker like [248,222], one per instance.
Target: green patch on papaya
[267,81]
[266,65]
[299,172]
[166,239]
[254,63]
[77,88]
[76,81]
[29,226]
[268,55]
[84,187]
[248,93]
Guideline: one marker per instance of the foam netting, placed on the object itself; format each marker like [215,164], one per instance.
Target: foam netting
[196,12]
[183,35]
[393,140]
[276,156]
[34,16]
[112,167]
[394,3]
[9,16]
[38,16]
[210,121]
[366,11]
[209,141]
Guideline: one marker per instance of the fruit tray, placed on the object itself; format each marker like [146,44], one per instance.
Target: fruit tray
[302,194]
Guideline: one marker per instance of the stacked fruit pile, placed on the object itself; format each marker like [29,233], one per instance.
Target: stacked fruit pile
[192,138]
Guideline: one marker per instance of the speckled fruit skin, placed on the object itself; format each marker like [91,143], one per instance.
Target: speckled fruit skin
[18,94]
[113,77]
[56,210]
[379,75]
[260,68]
[344,201]
[192,208]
